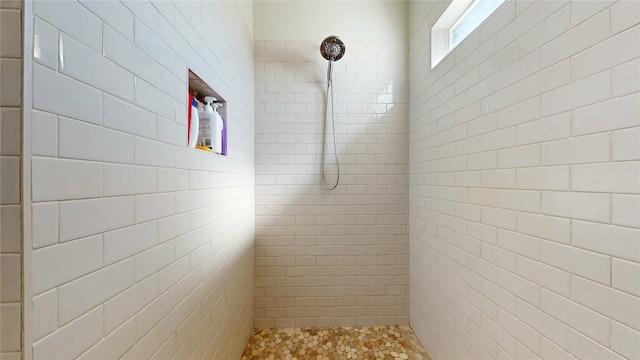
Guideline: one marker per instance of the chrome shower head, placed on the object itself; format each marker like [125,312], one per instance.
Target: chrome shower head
[332,48]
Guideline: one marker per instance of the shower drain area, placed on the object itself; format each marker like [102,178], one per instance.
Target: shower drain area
[368,342]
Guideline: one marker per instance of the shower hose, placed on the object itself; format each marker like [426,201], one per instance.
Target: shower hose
[330,97]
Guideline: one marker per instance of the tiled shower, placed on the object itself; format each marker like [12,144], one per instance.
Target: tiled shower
[340,257]
[491,202]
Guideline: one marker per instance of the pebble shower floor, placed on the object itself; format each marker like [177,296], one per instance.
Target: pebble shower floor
[369,342]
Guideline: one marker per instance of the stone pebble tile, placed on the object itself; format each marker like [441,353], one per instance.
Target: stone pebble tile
[368,342]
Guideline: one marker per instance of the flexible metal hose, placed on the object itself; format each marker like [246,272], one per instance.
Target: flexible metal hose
[330,97]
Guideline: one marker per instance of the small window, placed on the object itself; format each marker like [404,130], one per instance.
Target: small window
[459,20]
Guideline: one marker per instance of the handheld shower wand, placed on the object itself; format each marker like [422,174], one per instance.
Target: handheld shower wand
[332,49]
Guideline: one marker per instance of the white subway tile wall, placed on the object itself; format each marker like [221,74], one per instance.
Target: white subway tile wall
[10,183]
[331,258]
[142,248]
[525,175]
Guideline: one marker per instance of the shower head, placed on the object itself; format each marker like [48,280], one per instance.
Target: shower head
[332,48]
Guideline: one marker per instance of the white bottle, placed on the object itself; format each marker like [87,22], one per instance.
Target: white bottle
[217,125]
[204,136]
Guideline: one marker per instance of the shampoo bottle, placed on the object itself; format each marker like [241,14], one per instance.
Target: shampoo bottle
[204,136]
[217,125]
[193,122]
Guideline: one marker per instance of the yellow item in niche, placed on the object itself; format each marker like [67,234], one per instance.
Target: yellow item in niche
[203,148]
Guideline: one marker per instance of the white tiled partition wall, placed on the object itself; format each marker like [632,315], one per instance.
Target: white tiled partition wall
[141,247]
[524,205]
[340,257]
[10,180]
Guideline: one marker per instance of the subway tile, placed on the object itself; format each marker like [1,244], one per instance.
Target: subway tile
[172,85]
[622,78]
[44,134]
[114,344]
[154,206]
[521,156]
[44,224]
[86,27]
[548,29]
[583,206]
[578,94]
[78,140]
[624,14]
[59,179]
[10,273]
[10,229]
[173,226]
[499,61]
[543,178]
[626,144]
[612,303]
[618,113]
[546,129]
[124,305]
[624,276]
[150,43]
[10,186]
[582,149]
[154,259]
[81,295]
[544,275]
[10,325]
[151,314]
[170,275]
[544,324]
[618,177]
[519,113]
[551,350]
[546,227]
[10,28]
[501,18]
[126,117]
[123,52]
[87,217]
[583,11]
[126,242]
[582,346]
[90,67]
[145,347]
[10,130]
[45,314]
[11,86]
[172,180]
[522,23]
[129,179]
[620,241]
[520,200]
[518,286]
[578,38]
[599,57]
[45,44]
[587,264]
[59,94]
[624,340]
[58,264]
[626,210]
[153,153]
[73,339]
[114,14]
[171,132]
[520,244]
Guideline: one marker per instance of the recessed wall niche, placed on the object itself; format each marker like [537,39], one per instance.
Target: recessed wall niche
[201,91]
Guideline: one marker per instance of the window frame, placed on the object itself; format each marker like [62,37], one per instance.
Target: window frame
[442,41]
